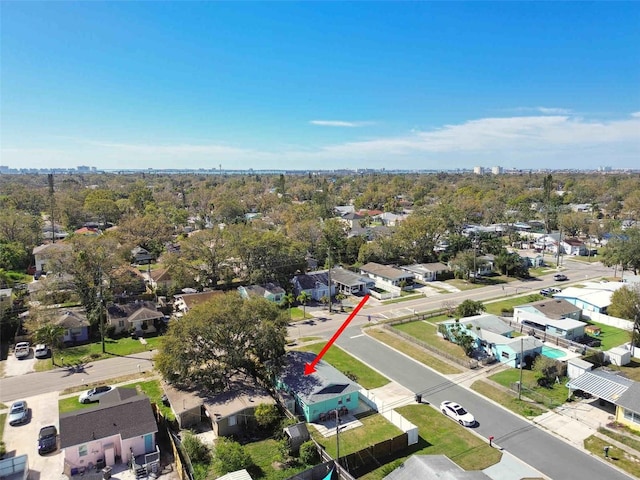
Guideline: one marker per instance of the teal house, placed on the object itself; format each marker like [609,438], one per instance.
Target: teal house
[319,395]
[272,292]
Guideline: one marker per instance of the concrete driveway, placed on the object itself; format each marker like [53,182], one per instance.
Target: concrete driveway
[23,439]
[14,366]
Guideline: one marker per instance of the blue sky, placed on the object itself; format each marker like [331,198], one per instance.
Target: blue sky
[305,85]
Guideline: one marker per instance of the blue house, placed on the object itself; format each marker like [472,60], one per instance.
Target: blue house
[76,326]
[318,395]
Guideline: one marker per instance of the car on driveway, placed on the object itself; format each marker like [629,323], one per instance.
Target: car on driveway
[458,413]
[559,277]
[47,439]
[22,350]
[41,351]
[19,413]
[94,394]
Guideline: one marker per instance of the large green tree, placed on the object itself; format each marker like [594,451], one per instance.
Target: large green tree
[223,338]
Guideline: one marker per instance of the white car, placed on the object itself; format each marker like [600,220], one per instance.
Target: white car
[22,350]
[458,413]
[41,351]
[94,394]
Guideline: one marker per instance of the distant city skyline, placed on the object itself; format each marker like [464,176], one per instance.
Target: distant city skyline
[320,86]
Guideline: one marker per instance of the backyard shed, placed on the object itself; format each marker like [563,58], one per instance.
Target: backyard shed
[619,356]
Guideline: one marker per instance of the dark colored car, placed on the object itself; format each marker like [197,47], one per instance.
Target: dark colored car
[47,439]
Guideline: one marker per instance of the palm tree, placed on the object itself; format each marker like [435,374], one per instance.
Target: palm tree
[303,298]
[49,334]
[289,298]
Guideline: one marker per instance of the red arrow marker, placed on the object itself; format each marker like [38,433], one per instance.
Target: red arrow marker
[311,367]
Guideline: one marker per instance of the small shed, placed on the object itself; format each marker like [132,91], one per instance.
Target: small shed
[576,367]
[298,434]
[619,356]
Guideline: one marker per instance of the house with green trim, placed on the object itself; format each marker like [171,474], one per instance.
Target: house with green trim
[318,395]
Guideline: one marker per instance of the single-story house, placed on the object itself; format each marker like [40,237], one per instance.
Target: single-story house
[573,246]
[316,284]
[553,308]
[183,302]
[564,328]
[433,466]
[159,278]
[121,427]
[320,393]
[141,256]
[548,242]
[351,283]
[75,324]
[352,219]
[139,316]
[272,292]
[387,277]
[231,412]
[515,350]
[426,272]
[628,407]
[592,298]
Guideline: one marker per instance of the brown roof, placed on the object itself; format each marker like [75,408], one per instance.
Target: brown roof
[555,308]
[161,274]
[193,299]
[72,319]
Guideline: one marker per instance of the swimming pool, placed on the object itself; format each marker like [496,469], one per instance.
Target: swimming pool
[552,352]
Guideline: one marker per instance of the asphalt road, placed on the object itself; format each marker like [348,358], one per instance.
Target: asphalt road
[36,383]
[541,450]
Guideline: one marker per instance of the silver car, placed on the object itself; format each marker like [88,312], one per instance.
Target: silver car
[19,413]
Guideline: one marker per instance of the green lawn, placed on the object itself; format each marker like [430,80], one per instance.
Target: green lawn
[415,352]
[631,370]
[374,429]
[617,457]
[463,284]
[348,365]
[3,420]
[521,407]
[611,336]
[427,333]
[263,454]
[298,313]
[496,308]
[551,397]
[440,435]
[93,351]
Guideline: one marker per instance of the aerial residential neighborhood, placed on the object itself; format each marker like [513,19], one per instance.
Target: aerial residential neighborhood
[319,240]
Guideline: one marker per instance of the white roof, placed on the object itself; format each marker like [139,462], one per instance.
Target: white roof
[598,298]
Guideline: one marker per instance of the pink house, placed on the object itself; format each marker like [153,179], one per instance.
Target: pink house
[121,428]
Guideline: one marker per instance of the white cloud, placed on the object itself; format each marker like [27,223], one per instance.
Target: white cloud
[636,114]
[553,110]
[339,123]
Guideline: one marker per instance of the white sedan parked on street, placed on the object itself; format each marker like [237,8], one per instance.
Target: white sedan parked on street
[458,413]
[94,394]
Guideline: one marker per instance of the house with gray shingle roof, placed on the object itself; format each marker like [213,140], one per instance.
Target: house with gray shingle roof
[139,316]
[272,292]
[387,277]
[318,394]
[316,284]
[433,466]
[628,407]
[555,316]
[426,272]
[75,324]
[121,426]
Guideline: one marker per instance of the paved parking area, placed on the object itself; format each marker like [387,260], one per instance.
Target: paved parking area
[23,439]
[14,367]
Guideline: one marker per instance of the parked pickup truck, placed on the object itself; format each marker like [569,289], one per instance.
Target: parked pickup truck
[22,350]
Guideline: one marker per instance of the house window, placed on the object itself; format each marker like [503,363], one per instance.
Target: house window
[82,451]
[631,416]
[121,323]
[348,399]
[233,420]
[505,354]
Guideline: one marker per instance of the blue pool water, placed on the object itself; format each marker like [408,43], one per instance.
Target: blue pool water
[552,352]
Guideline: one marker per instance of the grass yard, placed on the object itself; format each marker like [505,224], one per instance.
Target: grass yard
[463,284]
[611,336]
[427,333]
[617,457]
[440,435]
[263,454]
[344,362]
[413,351]
[93,351]
[521,407]
[631,441]
[298,314]
[550,397]
[496,308]
[631,370]
[374,429]
[3,421]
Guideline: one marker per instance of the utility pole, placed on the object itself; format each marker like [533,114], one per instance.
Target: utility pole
[337,437]
[329,281]
[102,310]
[52,202]
[521,364]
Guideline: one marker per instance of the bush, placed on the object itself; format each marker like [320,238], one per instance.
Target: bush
[194,447]
[309,453]
[230,456]
[3,449]
[110,332]
[267,416]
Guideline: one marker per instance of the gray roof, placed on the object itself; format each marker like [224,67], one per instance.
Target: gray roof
[602,384]
[630,400]
[526,343]
[488,322]
[385,271]
[72,319]
[309,281]
[299,430]
[433,466]
[325,383]
[349,278]
[123,414]
[555,308]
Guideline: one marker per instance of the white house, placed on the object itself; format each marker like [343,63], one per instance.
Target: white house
[425,272]
[387,277]
[573,246]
